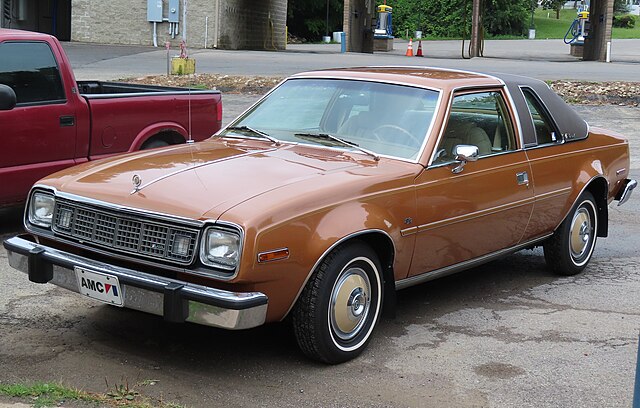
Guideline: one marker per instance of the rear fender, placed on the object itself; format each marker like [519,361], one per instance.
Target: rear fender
[152,130]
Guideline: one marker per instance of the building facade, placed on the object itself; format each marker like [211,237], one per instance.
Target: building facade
[224,24]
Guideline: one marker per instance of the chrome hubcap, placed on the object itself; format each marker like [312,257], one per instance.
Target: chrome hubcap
[350,303]
[581,231]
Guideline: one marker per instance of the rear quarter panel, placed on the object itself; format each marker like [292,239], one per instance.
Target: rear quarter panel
[560,173]
[124,123]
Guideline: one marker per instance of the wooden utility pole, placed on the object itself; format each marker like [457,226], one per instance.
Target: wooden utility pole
[476,26]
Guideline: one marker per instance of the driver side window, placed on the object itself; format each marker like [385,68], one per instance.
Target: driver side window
[477,119]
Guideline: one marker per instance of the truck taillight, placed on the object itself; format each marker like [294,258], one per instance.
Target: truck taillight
[219,111]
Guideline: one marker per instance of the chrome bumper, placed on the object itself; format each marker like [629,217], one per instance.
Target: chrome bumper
[625,192]
[176,300]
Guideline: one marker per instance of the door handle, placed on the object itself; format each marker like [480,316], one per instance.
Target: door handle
[523,178]
[67,121]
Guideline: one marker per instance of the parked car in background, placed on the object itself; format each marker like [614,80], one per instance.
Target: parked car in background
[331,193]
[58,122]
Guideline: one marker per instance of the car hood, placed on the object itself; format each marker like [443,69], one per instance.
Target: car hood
[201,180]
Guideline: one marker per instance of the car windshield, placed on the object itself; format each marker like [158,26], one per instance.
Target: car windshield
[385,119]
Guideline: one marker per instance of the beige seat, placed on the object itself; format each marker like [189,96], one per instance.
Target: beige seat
[465,133]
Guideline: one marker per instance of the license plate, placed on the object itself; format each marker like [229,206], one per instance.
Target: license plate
[99,286]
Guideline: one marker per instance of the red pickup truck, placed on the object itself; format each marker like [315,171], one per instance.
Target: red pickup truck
[49,121]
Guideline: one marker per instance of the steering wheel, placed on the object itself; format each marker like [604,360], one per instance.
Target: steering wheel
[376,133]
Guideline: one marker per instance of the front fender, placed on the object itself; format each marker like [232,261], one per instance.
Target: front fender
[309,239]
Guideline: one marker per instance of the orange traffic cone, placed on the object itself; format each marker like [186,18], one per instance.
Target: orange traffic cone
[410,48]
[419,53]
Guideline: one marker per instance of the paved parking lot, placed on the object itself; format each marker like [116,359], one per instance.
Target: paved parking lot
[543,59]
[506,334]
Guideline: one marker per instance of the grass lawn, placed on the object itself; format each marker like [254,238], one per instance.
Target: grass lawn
[547,26]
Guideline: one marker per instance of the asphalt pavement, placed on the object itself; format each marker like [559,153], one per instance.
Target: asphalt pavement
[506,334]
[543,59]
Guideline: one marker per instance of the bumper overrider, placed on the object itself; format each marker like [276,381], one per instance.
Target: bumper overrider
[175,300]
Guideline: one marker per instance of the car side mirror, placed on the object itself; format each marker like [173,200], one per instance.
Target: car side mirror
[7,97]
[464,154]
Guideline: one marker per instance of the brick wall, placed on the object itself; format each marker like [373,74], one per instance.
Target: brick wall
[243,24]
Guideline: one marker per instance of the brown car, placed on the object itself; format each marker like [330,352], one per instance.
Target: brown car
[333,191]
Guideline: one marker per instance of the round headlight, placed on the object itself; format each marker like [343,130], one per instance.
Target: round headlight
[41,209]
[220,249]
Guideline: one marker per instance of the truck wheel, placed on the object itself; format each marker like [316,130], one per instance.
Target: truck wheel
[340,305]
[569,250]
[152,144]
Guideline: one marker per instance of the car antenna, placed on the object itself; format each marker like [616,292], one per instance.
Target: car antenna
[183,54]
[190,140]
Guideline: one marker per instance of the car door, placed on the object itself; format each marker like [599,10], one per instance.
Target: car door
[549,158]
[485,207]
[38,136]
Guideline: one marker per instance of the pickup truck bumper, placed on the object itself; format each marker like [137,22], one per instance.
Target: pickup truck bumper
[176,300]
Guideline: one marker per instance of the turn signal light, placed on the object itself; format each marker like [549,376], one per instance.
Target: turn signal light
[274,255]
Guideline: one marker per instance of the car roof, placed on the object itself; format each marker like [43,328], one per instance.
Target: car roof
[428,77]
[29,35]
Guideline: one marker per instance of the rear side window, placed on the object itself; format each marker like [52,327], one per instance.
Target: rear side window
[545,130]
[30,68]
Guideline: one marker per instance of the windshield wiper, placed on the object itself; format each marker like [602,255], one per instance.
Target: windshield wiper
[255,132]
[327,136]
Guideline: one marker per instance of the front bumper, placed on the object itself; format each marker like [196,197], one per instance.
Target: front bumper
[176,300]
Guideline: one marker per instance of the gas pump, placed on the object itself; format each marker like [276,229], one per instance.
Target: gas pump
[579,28]
[384,28]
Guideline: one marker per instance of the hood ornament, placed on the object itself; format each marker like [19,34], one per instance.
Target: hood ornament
[137,182]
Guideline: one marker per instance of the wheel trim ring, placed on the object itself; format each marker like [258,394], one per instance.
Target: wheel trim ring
[375,303]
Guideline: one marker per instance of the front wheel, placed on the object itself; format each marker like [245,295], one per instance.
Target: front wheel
[569,250]
[340,305]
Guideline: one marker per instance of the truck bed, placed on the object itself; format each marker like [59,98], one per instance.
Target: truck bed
[100,89]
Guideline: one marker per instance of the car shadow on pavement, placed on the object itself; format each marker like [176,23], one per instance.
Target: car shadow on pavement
[203,349]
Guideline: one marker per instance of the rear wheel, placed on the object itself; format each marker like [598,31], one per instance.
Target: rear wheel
[340,305]
[569,250]
[152,144]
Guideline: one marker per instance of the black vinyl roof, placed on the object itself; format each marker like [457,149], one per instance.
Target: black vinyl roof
[568,122]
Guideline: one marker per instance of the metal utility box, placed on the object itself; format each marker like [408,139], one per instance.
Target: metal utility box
[174,11]
[154,10]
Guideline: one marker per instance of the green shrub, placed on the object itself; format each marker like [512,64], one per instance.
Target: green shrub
[452,18]
[627,21]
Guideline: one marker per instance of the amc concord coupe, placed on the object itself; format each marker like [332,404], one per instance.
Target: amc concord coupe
[332,192]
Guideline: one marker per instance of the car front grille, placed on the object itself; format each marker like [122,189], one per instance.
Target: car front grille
[108,228]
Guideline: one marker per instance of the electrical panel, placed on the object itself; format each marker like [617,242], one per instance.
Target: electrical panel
[154,10]
[174,11]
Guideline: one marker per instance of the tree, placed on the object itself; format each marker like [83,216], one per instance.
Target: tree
[307,18]
[553,5]
[449,18]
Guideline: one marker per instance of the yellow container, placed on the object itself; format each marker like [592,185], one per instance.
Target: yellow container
[183,66]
